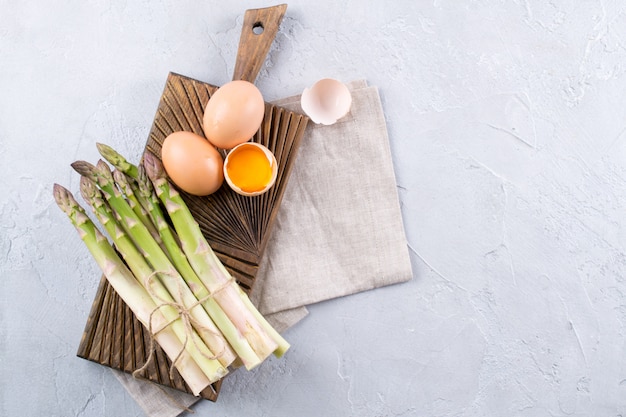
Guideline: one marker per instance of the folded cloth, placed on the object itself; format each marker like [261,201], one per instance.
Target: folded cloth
[155,400]
[338,231]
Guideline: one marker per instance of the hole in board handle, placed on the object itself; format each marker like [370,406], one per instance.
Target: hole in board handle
[257,28]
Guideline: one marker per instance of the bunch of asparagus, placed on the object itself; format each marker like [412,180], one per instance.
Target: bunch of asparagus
[169,276]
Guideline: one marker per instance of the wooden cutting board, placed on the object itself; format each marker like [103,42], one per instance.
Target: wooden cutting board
[236,227]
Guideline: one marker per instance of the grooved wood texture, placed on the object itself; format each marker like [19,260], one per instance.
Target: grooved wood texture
[236,227]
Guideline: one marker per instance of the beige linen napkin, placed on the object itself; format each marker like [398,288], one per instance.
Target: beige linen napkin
[339,229]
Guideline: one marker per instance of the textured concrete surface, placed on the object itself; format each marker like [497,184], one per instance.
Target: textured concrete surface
[507,123]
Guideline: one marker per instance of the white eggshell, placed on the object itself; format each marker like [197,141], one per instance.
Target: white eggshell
[327,101]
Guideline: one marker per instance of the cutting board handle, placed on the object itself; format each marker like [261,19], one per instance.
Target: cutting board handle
[257,34]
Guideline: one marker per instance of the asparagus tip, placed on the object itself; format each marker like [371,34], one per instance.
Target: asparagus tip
[105,150]
[111,155]
[84,168]
[117,160]
[59,193]
[64,199]
[153,167]
[103,171]
[88,188]
[120,179]
[145,186]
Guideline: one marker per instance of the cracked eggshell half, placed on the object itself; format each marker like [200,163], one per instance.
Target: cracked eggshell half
[327,101]
[250,169]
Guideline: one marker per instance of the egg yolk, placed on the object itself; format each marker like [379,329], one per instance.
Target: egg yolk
[249,168]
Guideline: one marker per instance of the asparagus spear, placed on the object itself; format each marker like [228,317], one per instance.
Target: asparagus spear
[262,337]
[144,274]
[133,294]
[151,250]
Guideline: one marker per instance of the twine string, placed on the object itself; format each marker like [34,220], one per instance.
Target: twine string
[184,314]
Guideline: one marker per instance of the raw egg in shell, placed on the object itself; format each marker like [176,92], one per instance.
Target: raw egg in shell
[192,163]
[233,114]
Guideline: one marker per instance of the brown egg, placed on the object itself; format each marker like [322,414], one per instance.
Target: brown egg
[233,114]
[192,163]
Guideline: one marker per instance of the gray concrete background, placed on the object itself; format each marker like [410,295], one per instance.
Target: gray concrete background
[507,122]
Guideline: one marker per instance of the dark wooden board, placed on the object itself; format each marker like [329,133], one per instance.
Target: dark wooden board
[236,227]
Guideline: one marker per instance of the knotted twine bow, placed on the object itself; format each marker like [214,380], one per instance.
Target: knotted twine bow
[184,314]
